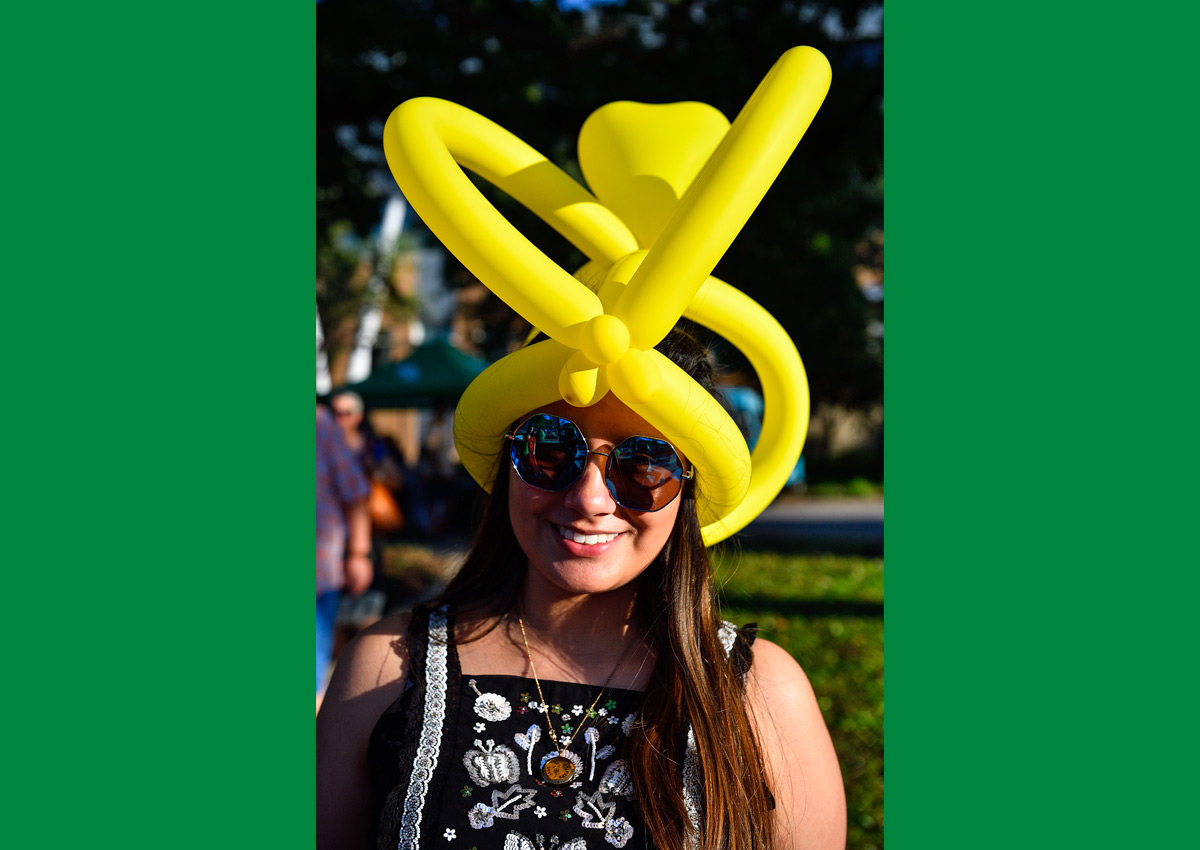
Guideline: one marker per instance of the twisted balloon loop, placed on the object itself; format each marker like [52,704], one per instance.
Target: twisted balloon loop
[673,185]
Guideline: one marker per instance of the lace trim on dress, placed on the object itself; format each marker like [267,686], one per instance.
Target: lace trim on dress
[431,731]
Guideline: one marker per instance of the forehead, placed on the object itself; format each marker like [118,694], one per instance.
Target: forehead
[609,419]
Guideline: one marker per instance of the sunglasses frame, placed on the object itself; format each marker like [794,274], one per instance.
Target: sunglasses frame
[687,475]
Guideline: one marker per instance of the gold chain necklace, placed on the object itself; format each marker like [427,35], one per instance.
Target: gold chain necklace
[558,767]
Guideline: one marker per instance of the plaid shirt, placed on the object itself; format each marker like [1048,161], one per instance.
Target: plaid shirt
[340,483]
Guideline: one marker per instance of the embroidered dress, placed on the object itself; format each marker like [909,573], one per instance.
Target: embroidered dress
[456,761]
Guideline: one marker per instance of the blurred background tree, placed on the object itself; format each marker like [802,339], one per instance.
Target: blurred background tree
[812,251]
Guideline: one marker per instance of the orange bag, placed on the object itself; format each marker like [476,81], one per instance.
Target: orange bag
[385,513]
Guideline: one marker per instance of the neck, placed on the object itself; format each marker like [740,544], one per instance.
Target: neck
[591,638]
[588,624]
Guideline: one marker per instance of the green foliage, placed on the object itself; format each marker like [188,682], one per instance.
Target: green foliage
[827,612]
[854,488]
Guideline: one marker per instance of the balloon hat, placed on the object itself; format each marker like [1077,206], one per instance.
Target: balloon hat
[674,184]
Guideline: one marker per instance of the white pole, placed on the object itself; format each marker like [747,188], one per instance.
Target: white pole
[370,316]
[324,381]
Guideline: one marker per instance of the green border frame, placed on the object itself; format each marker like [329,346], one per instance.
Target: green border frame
[1038,613]
[1038,316]
[160,305]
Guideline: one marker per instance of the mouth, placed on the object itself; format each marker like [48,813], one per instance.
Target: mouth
[585,539]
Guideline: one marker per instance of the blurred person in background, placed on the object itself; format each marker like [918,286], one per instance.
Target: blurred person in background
[343,534]
[375,456]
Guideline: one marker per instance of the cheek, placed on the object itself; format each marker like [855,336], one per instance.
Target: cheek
[524,502]
[656,528]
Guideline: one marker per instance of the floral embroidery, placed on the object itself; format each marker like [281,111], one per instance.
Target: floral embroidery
[618,780]
[516,841]
[525,740]
[449,834]
[594,802]
[492,763]
[507,805]
[592,736]
[597,813]
[490,706]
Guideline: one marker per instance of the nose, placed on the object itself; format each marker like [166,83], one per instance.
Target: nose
[589,496]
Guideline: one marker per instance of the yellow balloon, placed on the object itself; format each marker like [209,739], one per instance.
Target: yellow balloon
[724,193]
[673,183]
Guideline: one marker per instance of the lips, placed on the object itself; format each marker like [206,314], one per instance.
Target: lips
[585,539]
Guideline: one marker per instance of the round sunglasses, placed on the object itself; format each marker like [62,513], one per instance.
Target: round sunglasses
[641,473]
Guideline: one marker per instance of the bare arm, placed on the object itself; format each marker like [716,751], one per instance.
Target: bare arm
[369,677]
[810,799]
[358,567]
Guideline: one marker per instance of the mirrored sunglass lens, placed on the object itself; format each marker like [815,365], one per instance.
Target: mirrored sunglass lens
[548,452]
[646,473]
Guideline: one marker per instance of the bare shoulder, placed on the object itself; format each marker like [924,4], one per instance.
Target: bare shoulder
[779,692]
[773,664]
[377,658]
[806,778]
[368,677]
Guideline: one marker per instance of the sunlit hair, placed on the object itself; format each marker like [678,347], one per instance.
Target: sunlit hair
[353,399]
[693,682]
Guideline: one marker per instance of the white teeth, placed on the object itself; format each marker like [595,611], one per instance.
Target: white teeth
[586,539]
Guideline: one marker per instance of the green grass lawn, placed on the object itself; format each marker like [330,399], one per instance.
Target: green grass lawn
[827,611]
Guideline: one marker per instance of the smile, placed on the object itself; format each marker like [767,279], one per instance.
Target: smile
[587,539]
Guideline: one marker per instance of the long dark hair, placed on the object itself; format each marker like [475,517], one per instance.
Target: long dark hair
[694,682]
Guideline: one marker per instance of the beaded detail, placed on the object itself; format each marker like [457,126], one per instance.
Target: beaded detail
[503,803]
[431,732]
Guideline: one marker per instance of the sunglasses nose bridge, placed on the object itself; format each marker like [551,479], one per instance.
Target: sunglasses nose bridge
[583,487]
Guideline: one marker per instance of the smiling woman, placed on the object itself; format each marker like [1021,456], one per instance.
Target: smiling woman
[584,633]
[582,629]
[576,536]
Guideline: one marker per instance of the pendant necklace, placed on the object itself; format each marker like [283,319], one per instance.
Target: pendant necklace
[560,766]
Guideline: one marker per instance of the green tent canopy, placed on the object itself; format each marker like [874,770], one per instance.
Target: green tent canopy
[435,373]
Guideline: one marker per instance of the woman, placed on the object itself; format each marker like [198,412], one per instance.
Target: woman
[591,695]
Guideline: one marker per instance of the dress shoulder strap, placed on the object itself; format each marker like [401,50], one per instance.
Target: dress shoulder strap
[738,643]
[427,701]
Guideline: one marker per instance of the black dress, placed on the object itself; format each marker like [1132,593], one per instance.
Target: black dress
[456,762]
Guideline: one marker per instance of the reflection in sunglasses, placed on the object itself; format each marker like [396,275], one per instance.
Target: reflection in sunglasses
[641,473]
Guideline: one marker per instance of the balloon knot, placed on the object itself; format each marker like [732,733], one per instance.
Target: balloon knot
[605,339]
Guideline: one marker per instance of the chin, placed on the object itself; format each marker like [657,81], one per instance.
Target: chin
[584,580]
